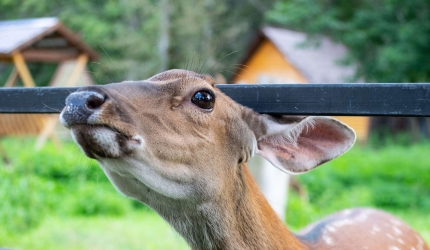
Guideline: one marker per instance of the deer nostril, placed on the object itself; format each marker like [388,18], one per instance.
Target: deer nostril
[94,101]
[80,106]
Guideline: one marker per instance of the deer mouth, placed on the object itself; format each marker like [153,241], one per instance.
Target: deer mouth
[104,141]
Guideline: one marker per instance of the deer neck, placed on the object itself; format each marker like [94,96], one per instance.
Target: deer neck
[241,219]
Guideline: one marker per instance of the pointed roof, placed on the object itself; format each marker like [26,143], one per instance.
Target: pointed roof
[41,39]
[318,64]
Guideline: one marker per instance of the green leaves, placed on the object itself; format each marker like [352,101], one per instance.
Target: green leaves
[388,39]
[53,181]
[127,33]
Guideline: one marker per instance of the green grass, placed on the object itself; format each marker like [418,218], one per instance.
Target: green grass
[58,199]
[136,230]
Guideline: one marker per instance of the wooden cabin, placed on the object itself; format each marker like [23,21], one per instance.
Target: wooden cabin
[280,55]
[41,40]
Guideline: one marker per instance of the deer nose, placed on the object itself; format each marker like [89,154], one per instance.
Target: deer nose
[80,106]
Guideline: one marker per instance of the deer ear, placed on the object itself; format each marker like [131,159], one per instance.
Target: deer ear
[298,144]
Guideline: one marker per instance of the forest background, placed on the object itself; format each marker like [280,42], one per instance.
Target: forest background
[387,39]
[58,199]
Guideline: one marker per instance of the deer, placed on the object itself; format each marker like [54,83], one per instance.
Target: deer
[179,145]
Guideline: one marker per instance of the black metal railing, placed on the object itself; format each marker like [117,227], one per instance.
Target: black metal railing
[296,99]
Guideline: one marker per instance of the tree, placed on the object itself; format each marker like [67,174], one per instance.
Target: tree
[387,39]
[139,38]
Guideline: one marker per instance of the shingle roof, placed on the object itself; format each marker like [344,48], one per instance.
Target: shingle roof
[17,35]
[318,64]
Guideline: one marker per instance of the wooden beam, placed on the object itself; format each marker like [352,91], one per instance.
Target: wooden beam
[50,55]
[81,62]
[12,78]
[23,71]
[55,82]
[5,58]
[75,40]
[47,131]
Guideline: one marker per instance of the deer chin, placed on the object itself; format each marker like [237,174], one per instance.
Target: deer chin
[101,141]
[135,176]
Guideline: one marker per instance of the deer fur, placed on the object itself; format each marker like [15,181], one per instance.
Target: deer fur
[188,163]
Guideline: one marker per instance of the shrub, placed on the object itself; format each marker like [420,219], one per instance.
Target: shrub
[23,201]
[54,181]
[92,199]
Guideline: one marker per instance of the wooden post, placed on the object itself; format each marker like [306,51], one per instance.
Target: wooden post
[81,62]
[12,78]
[23,71]
[47,131]
[51,122]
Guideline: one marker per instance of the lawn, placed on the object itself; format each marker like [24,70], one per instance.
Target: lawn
[135,230]
[58,199]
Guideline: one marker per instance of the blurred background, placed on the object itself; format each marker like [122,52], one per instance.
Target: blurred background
[52,197]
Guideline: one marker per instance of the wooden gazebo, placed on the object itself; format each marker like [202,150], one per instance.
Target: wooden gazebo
[280,55]
[42,40]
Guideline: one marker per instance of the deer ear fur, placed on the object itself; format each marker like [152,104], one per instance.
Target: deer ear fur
[299,144]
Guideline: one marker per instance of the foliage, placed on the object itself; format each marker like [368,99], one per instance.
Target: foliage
[138,230]
[63,200]
[383,174]
[52,182]
[56,198]
[387,39]
[16,198]
[135,43]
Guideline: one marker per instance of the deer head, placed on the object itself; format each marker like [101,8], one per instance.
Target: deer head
[178,144]
[179,136]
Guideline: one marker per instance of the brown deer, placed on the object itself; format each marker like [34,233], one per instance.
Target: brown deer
[178,144]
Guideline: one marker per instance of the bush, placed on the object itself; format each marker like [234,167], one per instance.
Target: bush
[23,201]
[394,176]
[95,199]
[62,182]
[66,163]
[54,181]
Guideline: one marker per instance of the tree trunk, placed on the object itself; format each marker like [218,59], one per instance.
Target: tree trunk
[163,42]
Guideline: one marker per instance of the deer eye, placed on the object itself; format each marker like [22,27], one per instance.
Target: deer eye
[203,99]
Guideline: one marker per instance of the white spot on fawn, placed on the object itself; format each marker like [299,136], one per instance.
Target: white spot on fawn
[347,212]
[395,222]
[397,230]
[401,241]
[375,229]
[363,215]
[331,229]
[327,239]
[393,248]
[342,223]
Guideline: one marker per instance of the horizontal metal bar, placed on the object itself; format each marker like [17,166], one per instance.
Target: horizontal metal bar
[33,100]
[296,99]
[334,99]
